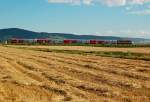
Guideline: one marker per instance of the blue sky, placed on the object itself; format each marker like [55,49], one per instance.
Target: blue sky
[129,18]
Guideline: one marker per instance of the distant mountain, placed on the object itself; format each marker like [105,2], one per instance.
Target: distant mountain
[26,34]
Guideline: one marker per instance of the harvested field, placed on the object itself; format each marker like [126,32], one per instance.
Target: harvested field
[38,76]
[145,50]
[124,53]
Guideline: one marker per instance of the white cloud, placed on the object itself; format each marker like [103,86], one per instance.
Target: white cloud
[129,5]
[138,1]
[114,2]
[87,2]
[124,2]
[142,12]
[127,33]
[128,8]
[73,2]
[106,2]
[65,1]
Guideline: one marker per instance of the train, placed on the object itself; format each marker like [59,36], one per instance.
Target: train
[66,41]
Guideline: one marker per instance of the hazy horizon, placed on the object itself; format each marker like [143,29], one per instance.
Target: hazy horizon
[123,18]
[74,33]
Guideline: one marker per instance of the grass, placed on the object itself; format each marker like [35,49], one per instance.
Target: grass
[94,45]
[115,54]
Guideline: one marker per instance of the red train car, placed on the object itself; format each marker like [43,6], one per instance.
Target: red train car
[16,41]
[70,41]
[128,42]
[43,41]
[101,42]
[93,42]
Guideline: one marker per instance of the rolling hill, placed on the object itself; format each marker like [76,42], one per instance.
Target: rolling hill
[21,33]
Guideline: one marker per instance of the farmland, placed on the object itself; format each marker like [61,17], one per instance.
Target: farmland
[145,50]
[53,74]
